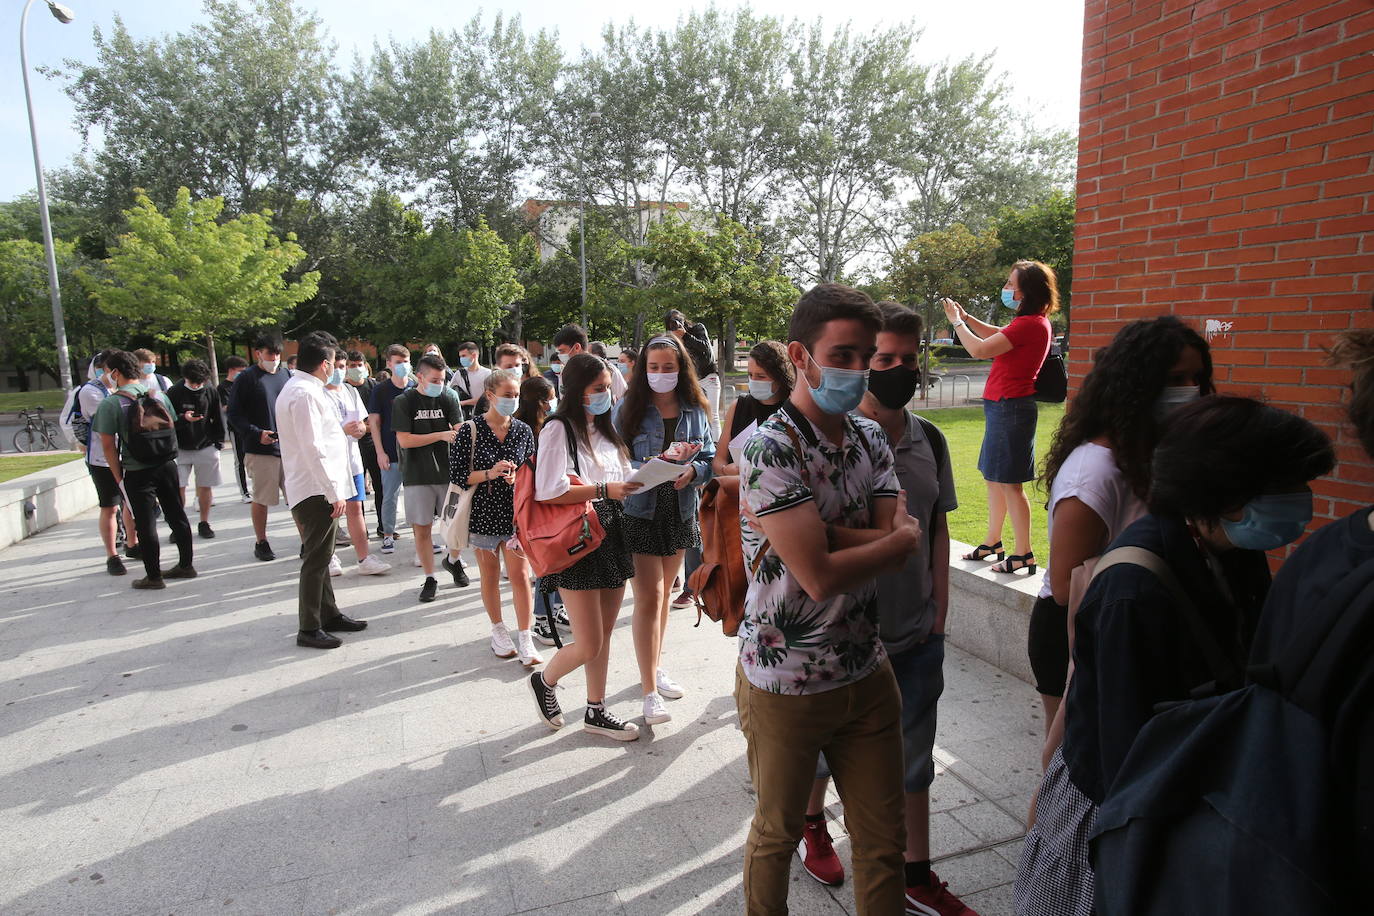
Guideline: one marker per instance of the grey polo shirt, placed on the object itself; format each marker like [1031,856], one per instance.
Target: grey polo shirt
[906,599]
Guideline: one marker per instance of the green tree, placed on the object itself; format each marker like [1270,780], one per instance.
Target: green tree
[1042,232]
[486,281]
[187,276]
[27,338]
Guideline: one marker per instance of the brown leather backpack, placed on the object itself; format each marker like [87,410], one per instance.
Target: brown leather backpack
[718,584]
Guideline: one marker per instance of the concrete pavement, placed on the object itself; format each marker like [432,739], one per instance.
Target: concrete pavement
[175,753]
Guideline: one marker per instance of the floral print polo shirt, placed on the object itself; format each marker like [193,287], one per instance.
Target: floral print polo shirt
[790,643]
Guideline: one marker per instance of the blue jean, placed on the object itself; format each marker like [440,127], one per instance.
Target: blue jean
[391,491]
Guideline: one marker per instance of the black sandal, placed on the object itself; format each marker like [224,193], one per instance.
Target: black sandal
[983,551]
[1016,563]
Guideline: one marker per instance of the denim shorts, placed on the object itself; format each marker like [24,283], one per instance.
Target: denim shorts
[920,673]
[1008,453]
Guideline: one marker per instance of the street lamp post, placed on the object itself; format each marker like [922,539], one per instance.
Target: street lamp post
[64,364]
[594,119]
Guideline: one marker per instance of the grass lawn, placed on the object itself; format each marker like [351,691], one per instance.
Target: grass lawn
[17,466]
[52,401]
[963,427]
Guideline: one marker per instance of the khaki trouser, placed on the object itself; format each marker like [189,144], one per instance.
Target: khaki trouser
[859,728]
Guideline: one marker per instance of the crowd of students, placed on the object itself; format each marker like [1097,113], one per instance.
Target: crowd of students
[844,497]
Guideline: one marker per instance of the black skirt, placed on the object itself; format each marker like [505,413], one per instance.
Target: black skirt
[608,566]
[667,532]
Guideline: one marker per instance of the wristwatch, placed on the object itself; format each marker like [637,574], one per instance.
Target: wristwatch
[959,324]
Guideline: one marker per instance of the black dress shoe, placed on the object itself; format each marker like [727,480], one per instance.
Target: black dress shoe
[429,589]
[344,624]
[317,639]
[148,584]
[263,551]
[460,575]
[180,572]
[205,530]
[135,552]
[115,566]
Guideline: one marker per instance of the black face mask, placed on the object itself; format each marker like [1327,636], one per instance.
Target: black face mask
[893,387]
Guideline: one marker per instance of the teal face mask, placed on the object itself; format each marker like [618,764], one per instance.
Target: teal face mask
[599,403]
[840,390]
[1270,521]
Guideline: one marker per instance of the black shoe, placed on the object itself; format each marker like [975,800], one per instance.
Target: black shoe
[429,589]
[263,551]
[180,572]
[148,584]
[600,721]
[115,567]
[543,631]
[344,624]
[460,575]
[135,552]
[560,616]
[205,530]
[317,639]
[547,700]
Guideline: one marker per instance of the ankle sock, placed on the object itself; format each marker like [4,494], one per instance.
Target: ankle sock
[816,818]
[918,874]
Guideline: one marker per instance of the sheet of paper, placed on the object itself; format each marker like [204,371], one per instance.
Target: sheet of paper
[656,471]
[737,444]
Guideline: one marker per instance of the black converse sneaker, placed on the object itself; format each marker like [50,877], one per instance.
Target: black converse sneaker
[547,701]
[601,722]
[543,631]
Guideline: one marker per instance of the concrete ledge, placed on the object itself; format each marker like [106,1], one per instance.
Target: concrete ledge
[989,613]
[42,499]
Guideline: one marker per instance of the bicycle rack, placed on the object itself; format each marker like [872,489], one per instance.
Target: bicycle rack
[968,387]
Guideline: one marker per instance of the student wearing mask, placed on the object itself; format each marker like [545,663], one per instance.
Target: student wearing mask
[823,518]
[469,380]
[353,420]
[147,364]
[200,429]
[358,376]
[663,414]
[384,438]
[485,455]
[625,362]
[1098,469]
[425,419]
[579,438]
[572,340]
[1213,511]
[316,462]
[432,349]
[146,467]
[698,344]
[509,357]
[537,401]
[555,369]
[233,366]
[111,502]
[253,415]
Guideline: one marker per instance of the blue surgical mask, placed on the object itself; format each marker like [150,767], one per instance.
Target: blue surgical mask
[840,390]
[149,368]
[336,378]
[1008,299]
[624,369]
[553,404]
[432,389]
[99,374]
[401,370]
[1270,521]
[762,390]
[465,362]
[506,406]
[557,368]
[599,403]
[1172,398]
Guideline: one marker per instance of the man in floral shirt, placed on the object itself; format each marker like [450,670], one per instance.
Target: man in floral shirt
[827,519]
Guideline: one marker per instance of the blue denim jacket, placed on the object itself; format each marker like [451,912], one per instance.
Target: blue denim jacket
[647,442]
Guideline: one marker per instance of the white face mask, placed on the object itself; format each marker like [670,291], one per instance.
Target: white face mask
[270,365]
[662,382]
[191,387]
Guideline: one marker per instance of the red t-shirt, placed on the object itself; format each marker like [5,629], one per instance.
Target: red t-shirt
[1013,373]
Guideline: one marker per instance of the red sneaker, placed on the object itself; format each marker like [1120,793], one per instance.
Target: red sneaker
[818,855]
[934,899]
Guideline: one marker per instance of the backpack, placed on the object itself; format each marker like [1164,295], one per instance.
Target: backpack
[719,585]
[1228,804]
[75,424]
[152,437]
[1052,381]
[554,536]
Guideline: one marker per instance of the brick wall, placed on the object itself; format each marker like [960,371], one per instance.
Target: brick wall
[1225,175]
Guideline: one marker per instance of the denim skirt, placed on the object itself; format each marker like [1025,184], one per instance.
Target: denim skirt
[1008,453]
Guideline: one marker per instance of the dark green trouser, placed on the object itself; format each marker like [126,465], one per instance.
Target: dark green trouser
[317,536]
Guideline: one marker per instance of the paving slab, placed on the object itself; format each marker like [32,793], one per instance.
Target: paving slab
[176,753]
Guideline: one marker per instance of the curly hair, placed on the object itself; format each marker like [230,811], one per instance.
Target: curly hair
[1356,350]
[1118,396]
[771,355]
[638,396]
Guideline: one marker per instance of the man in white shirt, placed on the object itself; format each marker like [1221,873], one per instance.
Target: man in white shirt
[470,379]
[314,456]
[572,340]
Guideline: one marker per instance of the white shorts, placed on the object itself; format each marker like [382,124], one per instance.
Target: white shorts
[204,461]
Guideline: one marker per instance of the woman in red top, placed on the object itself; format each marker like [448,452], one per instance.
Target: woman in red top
[1007,459]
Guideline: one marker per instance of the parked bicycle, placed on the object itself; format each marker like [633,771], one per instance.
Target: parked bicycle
[38,433]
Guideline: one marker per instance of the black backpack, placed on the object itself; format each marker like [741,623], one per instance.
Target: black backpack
[1052,381]
[152,435]
[1229,805]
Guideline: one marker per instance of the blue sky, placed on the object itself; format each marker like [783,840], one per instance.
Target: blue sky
[1040,51]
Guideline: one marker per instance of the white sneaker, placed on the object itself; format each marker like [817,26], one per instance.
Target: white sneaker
[654,713]
[667,687]
[529,655]
[335,567]
[501,646]
[371,566]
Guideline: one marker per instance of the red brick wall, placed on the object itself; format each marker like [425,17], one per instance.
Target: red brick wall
[1225,173]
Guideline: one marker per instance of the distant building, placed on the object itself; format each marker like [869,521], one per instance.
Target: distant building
[553,221]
